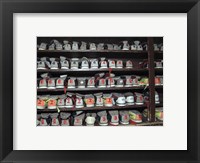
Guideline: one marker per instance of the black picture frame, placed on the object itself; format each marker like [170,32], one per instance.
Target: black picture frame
[9,7]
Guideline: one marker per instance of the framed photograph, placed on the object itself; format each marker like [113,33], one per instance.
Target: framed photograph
[83,79]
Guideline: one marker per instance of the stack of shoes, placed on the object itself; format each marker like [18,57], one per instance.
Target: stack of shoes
[75,100]
[90,63]
[93,118]
[74,46]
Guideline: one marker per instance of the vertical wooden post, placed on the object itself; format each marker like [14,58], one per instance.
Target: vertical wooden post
[151,67]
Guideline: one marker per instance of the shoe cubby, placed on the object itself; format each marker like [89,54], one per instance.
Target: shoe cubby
[146,56]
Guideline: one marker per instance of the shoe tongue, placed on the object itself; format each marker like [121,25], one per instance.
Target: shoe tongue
[107,95]
[45,115]
[62,58]
[62,96]
[128,94]
[78,112]
[79,95]
[102,113]
[123,112]
[81,116]
[52,59]
[98,94]
[44,97]
[54,115]
[64,115]
[44,76]
[114,112]
[43,59]
[65,42]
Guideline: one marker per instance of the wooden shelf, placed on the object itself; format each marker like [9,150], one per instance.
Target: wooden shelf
[95,89]
[92,70]
[93,108]
[157,123]
[91,89]
[159,105]
[159,86]
[92,51]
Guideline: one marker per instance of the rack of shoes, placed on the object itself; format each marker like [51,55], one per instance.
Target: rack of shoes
[99,81]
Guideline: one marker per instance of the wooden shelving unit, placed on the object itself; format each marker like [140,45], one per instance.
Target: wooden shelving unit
[150,55]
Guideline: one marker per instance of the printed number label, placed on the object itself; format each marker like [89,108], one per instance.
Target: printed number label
[54,121]
[125,117]
[59,81]
[64,121]
[103,118]
[115,117]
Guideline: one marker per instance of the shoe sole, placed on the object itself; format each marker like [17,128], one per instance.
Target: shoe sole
[51,87]
[103,124]
[41,68]
[59,87]
[79,106]
[68,106]
[128,86]
[65,68]
[89,106]
[135,121]
[61,107]
[38,107]
[139,103]
[53,107]
[114,124]
[71,87]
[130,103]
[81,86]
[42,87]
[121,104]
[108,105]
